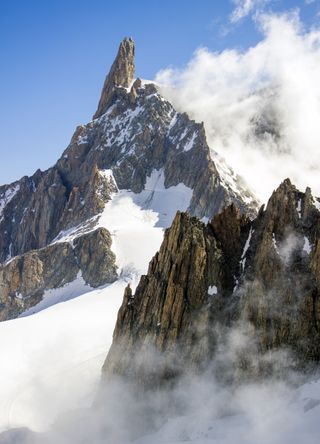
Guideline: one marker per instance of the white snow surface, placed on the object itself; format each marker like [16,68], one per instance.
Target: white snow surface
[108,175]
[51,361]
[56,349]
[212,289]
[245,249]
[229,179]
[316,204]
[164,201]
[57,353]
[62,294]
[306,245]
[189,145]
[275,243]
[135,238]
[7,197]
[72,233]
[299,208]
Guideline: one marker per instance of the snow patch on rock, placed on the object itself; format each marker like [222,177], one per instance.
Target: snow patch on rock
[164,201]
[316,204]
[299,208]
[62,294]
[135,237]
[275,243]
[245,249]
[212,289]
[306,245]
[7,197]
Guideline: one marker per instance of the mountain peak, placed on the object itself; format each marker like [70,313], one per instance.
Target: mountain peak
[120,75]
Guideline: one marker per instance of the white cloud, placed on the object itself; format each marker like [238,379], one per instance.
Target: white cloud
[261,107]
[243,8]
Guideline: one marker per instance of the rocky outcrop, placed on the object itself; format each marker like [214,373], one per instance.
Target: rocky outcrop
[120,76]
[25,278]
[143,133]
[254,281]
[170,315]
[95,258]
[281,275]
[43,206]
[136,134]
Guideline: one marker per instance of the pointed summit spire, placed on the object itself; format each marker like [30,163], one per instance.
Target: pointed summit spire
[121,74]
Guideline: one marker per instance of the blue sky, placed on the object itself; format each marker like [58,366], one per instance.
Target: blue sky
[55,55]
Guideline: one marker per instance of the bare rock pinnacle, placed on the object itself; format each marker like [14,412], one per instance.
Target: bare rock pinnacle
[120,75]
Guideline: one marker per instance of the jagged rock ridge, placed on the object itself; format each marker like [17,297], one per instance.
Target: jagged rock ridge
[120,76]
[136,134]
[29,275]
[259,278]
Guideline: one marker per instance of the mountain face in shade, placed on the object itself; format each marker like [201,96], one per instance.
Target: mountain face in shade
[49,232]
[257,278]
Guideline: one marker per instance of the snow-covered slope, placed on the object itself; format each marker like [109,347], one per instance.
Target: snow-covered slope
[127,171]
[57,353]
[136,143]
[51,361]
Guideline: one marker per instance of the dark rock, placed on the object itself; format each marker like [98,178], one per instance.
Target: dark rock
[137,133]
[95,258]
[120,75]
[259,279]
[170,311]
[25,278]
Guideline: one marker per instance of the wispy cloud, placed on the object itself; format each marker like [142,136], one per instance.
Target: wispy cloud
[260,107]
[243,8]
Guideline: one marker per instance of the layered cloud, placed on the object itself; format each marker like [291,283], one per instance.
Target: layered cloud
[260,107]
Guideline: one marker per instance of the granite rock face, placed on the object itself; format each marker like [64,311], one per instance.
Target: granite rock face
[255,280]
[135,134]
[25,278]
[281,278]
[95,258]
[120,76]
[141,132]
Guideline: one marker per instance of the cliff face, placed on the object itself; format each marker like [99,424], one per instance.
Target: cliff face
[25,278]
[35,257]
[120,76]
[137,133]
[259,279]
[134,133]
[281,280]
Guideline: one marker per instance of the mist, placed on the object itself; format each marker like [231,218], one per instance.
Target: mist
[233,400]
[199,409]
[212,406]
[260,106]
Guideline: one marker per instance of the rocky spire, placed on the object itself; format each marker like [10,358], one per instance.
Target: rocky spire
[121,74]
[207,281]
